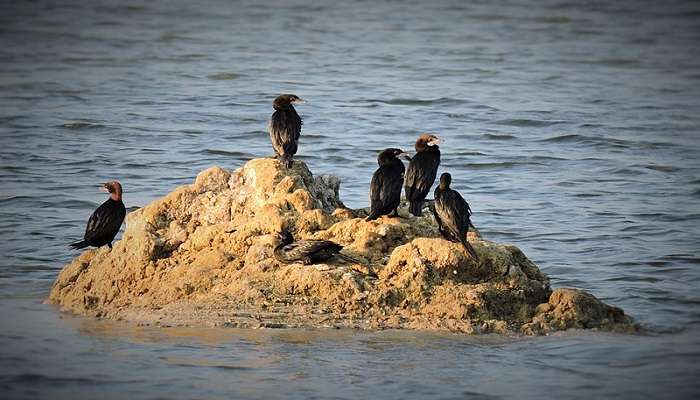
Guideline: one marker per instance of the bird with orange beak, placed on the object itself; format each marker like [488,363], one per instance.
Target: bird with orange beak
[421,172]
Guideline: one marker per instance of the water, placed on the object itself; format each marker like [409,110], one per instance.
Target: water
[572,130]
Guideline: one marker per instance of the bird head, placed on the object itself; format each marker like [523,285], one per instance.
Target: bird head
[426,140]
[390,153]
[285,101]
[114,188]
[445,180]
[285,237]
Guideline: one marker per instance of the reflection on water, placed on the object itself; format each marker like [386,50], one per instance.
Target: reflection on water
[572,129]
[115,359]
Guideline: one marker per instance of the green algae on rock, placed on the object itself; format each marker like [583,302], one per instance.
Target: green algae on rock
[202,256]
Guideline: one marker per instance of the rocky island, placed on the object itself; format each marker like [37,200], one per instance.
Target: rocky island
[202,256]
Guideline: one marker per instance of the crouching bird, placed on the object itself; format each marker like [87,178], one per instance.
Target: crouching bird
[452,214]
[307,251]
[385,188]
[105,222]
[421,172]
[285,127]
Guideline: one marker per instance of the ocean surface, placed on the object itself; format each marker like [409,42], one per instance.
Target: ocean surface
[572,129]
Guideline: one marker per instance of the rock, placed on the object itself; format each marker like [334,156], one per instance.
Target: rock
[572,308]
[202,256]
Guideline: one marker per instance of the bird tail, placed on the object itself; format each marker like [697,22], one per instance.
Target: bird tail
[287,161]
[372,216]
[416,208]
[79,245]
[470,249]
[348,258]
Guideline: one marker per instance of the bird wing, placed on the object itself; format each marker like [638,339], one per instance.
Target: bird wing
[464,210]
[451,213]
[435,212]
[285,130]
[386,184]
[105,221]
[304,248]
[420,175]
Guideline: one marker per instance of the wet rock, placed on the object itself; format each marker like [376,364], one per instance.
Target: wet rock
[202,256]
[572,308]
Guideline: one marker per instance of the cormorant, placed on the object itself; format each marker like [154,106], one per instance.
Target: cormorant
[385,188]
[307,251]
[452,214]
[105,222]
[421,172]
[285,127]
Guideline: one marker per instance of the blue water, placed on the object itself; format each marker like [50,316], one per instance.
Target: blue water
[573,131]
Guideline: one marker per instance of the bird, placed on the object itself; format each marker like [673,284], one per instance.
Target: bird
[285,127]
[385,187]
[452,214]
[105,222]
[307,251]
[421,172]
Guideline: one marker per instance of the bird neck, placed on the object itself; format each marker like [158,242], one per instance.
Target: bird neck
[116,196]
[386,160]
[287,107]
[285,240]
[423,147]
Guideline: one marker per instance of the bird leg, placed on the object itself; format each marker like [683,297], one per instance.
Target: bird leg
[395,214]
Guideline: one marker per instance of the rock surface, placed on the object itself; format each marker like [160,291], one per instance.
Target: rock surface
[202,256]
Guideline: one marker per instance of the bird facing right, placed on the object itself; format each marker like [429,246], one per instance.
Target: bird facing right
[421,172]
[285,127]
[105,222]
[452,214]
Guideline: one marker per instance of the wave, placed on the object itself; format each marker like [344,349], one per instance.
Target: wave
[225,76]
[230,153]
[495,165]
[419,102]
[554,19]
[660,168]
[78,125]
[598,141]
[17,199]
[524,122]
[498,136]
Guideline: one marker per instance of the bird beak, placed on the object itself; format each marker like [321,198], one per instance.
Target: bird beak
[434,142]
[103,188]
[299,101]
[405,156]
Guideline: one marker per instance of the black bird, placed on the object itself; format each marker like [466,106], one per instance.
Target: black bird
[307,251]
[421,172]
[105,222]
[385,188]
[452,214]
[285,127]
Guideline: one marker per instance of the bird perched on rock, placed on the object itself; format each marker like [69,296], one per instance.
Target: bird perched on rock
[285,127]
[105,222]
[307,251]
[385,188]
[452,214]
[421,172]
